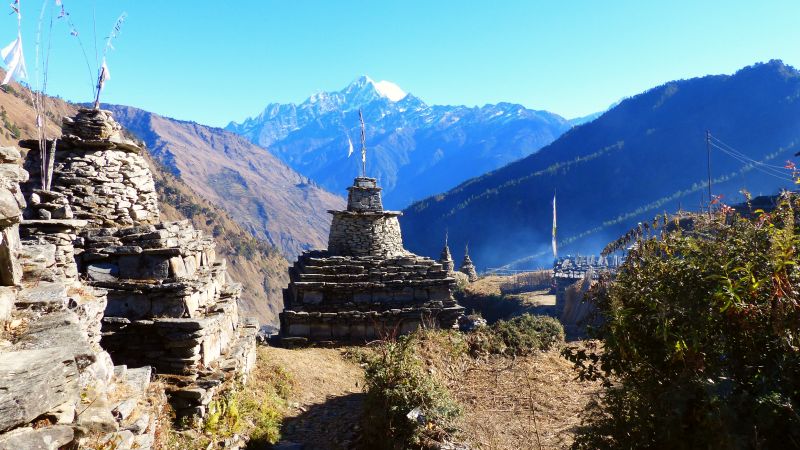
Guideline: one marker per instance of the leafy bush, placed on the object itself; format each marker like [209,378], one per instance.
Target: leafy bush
[701,334]
[405,406]
[521,335]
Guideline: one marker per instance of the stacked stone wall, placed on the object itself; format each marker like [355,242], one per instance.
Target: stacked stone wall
[62,234]
[365,234]
[169,302]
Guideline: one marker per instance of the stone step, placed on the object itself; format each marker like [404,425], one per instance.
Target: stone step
[139,379]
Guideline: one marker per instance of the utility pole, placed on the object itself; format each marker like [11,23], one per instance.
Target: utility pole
[708,165]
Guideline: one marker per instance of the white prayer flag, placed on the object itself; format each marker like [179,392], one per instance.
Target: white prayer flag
[104,73]
[555,246]
[350,143]
[14,60]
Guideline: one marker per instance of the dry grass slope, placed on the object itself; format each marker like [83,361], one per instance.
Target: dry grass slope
[269,199]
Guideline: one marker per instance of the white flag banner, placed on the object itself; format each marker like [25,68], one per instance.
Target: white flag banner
[350,143]
[555,246]
[104,73]
[14,60]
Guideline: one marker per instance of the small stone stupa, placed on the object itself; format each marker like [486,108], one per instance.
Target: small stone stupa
[467,267]
[446,259]
[365,285]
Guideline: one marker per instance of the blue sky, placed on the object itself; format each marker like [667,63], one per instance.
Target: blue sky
[213,62]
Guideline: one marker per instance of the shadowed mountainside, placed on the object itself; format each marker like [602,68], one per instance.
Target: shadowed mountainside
[645,156]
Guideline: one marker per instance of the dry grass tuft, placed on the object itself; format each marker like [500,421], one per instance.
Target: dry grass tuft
[528,402]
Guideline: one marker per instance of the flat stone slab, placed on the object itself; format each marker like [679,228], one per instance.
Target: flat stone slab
[47,438]
[33,382]
[43,295]
[66,223]
[139,378]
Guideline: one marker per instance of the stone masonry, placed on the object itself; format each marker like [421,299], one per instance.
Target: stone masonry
[58,386]
[366,285]
[99,174]
[446,259]
[170,305]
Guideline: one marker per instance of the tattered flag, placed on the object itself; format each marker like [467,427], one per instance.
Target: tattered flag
[363,145]
[350,144]
[105,74]
[14,60]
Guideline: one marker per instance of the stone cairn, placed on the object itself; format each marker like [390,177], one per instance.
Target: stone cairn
[366,285]
[468,268]
[170,305]
[58,387]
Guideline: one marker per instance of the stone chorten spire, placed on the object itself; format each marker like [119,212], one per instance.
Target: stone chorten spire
[446,259]
[364,228]
[98,176]
[467,267]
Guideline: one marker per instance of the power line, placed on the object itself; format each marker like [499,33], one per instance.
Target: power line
[754,164]
[743,155]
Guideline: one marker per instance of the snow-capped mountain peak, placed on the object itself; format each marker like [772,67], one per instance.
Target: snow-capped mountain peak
[383,88]
[389,90]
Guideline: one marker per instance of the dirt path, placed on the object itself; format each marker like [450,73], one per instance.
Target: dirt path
[325,412]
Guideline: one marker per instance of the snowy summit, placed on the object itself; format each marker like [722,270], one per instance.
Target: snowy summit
[388,90]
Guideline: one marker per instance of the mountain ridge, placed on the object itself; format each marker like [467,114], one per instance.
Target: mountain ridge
[414,149]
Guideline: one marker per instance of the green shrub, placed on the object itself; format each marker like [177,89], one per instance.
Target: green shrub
[398,386]
[521,335]
[701,334]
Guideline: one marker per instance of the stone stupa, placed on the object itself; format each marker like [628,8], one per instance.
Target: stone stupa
[446,259]
[365,285]
[467,267]
[170,303]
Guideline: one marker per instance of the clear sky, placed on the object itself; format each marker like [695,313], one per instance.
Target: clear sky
[213,62]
